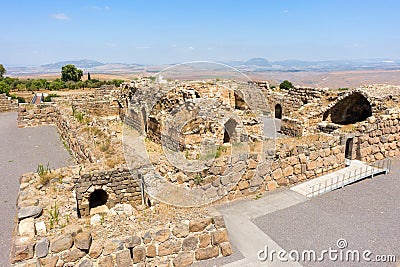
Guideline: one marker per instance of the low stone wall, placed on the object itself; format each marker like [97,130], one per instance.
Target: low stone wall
[178,245]
[378,137]
[48,114]
[50,235]
[119,184]
[97,108]
[7,104]
[33,115]
[292,127]
[303,159]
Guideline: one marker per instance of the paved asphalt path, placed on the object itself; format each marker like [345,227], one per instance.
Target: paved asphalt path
[21,150]
[366,214]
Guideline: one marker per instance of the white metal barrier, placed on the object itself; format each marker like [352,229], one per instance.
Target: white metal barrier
[377,167]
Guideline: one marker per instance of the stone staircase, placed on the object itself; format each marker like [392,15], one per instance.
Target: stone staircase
[7,104]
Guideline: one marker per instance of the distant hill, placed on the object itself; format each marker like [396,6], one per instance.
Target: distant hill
[262,65]
[253,65]
[83,63]
[261,62]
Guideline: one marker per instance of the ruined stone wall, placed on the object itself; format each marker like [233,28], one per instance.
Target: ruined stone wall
[306,95]
[7,104]
[48,114]
[70,241]
[292,127]
[179,245]
[34,115]
[77,144]
[293,99]
[104,91]
[119,184]
[378,137]
[98,108]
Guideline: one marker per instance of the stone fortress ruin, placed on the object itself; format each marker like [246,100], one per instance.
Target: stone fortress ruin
[125,201]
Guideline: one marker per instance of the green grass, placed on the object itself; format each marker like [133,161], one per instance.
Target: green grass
[198,180]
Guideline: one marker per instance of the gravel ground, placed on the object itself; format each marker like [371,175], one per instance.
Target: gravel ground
[21,151]
[366,214]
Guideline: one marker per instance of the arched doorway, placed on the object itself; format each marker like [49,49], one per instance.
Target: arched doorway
[349,148]
[97,198]
[229,130]
[351,109]
[278,111]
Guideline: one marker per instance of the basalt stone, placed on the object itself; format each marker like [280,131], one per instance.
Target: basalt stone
[95,249]
[162,235]
[132,241]
[30,211]
[199,225]
[42,247]
[61,243]
[190,243]
[207,253]
[183,259]
[111,246]
[139,254]
[83,240]
[180,230]
[123,258]
[73,255]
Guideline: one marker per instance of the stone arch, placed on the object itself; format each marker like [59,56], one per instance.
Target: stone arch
[97,198]
[353,108]
[230,130]
[278,111]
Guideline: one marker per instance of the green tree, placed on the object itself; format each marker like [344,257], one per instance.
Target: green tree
[88,76]
[4,88]
[2,71]
[286,85]
[71,73]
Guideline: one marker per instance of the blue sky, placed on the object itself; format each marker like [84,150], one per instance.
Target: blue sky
[152,32]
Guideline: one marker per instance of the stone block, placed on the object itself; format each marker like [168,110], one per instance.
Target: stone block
[61,243]
[180,230]
[206,253]
[123,258]
[183,259]
[198,225]
[42,247]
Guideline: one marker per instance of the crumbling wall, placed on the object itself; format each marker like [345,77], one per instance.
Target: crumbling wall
[34,115]
[49,114]
[7,104]
[99,108]
[66,240]
[292,127]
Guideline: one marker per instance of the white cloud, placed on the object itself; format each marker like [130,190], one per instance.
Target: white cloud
[60,16]
[190,48]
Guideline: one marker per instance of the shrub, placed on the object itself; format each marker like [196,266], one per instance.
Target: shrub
[49,96]
[286,85]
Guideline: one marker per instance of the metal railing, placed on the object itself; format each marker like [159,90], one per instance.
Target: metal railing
[377,167]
